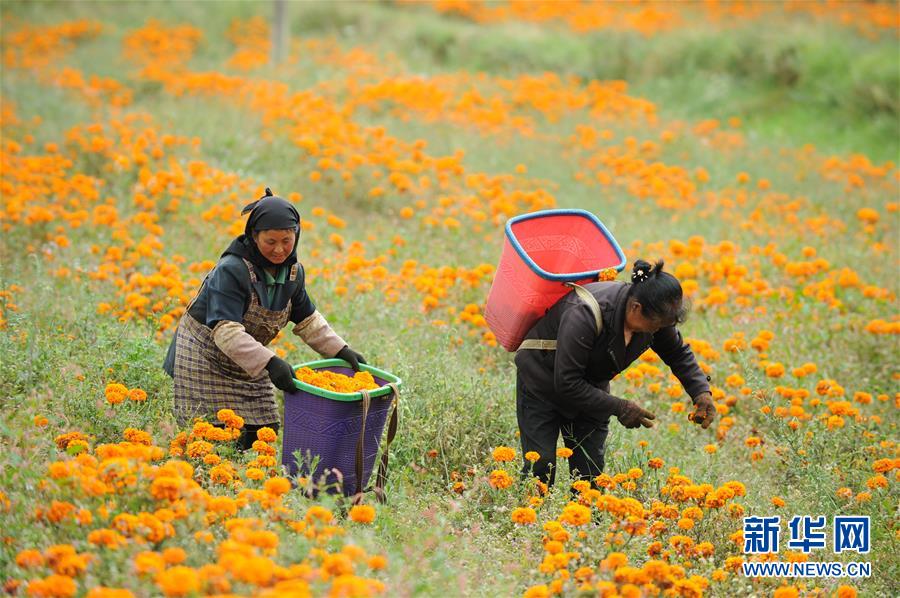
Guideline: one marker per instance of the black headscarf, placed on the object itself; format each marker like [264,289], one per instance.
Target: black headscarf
[267,213]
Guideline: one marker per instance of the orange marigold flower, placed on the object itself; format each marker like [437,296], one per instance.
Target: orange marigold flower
[116,393]
[174,555]
[778,501]
[178,581]
[575,514]
[362,513]
[277,486]
[40,421]
[503,454]
[523,515]
[500,479]
[655,463]
[29,558]
[138,395]
[564,452]
[532,456]
[266,434]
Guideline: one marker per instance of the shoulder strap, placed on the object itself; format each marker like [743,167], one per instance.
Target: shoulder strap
[252,271]
[550,344]
[589,298]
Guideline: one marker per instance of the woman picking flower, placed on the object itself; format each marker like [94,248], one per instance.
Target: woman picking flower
[219,358]
[568,358]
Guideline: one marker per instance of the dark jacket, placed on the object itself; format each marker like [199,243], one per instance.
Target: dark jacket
[226,294]
[575,377]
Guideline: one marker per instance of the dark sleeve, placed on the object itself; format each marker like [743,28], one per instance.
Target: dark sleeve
[301,305]
[671,348]
[574,343]
[228,292]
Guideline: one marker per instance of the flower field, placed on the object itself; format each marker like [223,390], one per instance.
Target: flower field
[753,146]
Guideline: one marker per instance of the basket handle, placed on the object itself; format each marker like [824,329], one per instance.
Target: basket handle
[360,446]
[381,477]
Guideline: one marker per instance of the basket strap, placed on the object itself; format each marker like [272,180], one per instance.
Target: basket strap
[360,446]
[381,477]
[589,298]
[542,344]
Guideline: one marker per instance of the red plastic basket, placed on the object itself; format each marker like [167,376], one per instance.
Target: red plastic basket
[543,250]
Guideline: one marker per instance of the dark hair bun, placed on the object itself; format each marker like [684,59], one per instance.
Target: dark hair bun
[642,270]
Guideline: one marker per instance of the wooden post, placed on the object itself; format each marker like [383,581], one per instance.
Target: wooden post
[279,31]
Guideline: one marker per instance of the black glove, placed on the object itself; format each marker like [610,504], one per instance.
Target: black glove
[351,357]
[633,415]
[281,373]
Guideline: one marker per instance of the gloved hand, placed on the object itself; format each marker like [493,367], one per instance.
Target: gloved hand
[351,357]
[633,415]
[281,373]
[704,410]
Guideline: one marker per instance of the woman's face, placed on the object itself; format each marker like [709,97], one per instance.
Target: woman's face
[638,322]
[276,244]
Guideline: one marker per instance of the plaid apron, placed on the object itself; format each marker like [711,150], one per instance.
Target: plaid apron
[207,380]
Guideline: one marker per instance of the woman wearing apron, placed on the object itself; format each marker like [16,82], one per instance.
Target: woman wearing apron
[219,357]
[589,336]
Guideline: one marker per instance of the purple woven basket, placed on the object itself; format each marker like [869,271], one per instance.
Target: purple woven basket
[329,428]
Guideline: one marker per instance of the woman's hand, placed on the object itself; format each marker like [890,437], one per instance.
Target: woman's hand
[351,357]
[281,373]
[633,415]
[704,410]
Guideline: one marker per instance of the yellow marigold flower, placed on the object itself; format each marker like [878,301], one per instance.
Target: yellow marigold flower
[266,434]
[710,448]
[362,513]
[277,486]
[532,456]
[500,479]
[523,515]
[564,452]
[503,454]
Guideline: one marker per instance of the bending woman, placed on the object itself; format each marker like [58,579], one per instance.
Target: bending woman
[568,358]
[219,358]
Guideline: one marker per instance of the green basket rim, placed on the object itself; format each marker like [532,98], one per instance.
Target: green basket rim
[345,396]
